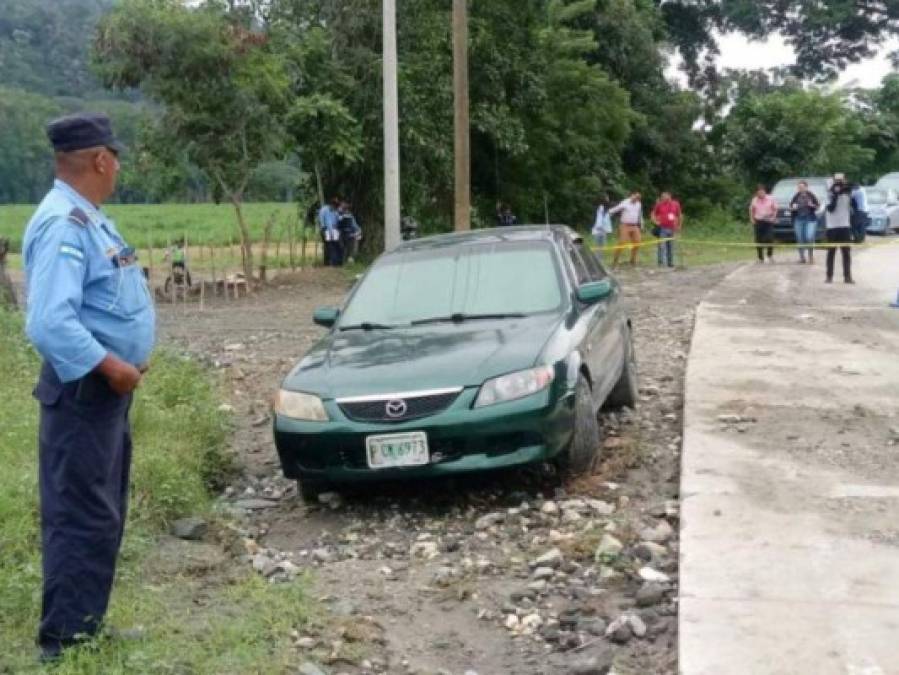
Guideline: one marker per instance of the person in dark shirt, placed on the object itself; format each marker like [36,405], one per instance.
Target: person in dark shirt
[804,207]
[505,217]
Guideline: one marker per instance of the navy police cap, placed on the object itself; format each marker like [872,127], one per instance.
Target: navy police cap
[83,130]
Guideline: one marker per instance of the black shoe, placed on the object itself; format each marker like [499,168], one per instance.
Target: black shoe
[849,281]
[828,280]
[50,655]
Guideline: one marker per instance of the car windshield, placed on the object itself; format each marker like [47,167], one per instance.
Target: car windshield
[875,196]
[501,279]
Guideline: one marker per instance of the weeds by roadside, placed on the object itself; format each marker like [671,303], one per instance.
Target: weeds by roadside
[230,621]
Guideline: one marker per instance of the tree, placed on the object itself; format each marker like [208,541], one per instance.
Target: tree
[223,90]
[794,133]
[827,35]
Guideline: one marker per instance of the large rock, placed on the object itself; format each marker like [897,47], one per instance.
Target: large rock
[543,573]
[619,631]
[658,534]
[650,594]
[191,529]
[488,521]
[309,668]
[650,574]
[552,558]
[596,664]
[609,547]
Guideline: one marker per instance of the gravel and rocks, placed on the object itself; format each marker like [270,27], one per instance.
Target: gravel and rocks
[512,573]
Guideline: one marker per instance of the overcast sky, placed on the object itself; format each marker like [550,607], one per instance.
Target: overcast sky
[738,52]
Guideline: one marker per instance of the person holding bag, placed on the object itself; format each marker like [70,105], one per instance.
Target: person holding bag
[840,209]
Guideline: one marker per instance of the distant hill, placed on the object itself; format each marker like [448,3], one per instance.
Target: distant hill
[45,46]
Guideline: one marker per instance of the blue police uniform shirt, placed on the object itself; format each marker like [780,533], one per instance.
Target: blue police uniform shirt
[86,296]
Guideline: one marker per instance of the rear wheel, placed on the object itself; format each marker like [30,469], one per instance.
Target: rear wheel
[583,451]
[626,392]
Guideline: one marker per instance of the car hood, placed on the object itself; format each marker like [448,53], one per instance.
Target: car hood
[359,363]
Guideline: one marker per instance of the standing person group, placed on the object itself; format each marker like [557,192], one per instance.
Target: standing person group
[844,207]
[340,232]
[667,217]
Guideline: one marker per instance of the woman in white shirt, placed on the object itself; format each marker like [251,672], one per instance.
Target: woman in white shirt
[602,226]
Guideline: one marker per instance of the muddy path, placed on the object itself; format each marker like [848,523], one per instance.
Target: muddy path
[506,573]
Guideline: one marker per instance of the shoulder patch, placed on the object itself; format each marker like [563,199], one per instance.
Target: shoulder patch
[79,217]
[71,251]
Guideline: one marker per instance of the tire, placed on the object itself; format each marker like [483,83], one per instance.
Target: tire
[626,391]
[582,452]
[310,489]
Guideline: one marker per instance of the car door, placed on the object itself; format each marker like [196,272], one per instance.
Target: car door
[610,333]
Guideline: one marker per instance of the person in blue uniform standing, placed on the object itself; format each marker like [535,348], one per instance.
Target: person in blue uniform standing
[91,318]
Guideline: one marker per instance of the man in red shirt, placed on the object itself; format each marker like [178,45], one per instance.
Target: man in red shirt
[668,217]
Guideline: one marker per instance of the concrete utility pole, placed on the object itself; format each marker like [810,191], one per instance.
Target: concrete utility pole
[463,139]
[391,131]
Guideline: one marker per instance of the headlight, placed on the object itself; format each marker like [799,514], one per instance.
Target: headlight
[514,386]
[299,406]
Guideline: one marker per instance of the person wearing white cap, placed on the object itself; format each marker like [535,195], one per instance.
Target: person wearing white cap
[840,207]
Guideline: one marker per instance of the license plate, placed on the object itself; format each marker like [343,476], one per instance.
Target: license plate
[391,450]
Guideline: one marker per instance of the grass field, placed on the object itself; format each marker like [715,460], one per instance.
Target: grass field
[233,622]
[144,225]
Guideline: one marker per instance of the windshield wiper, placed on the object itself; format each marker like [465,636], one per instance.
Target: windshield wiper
[368,325]
[459,317]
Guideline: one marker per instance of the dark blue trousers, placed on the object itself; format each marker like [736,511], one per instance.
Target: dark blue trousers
[85,460]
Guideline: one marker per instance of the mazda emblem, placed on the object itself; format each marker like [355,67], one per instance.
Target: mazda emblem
[396,408]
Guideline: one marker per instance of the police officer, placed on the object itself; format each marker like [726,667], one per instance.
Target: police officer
[90,316]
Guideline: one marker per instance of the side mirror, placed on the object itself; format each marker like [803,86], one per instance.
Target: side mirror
[326,316]
[594,291]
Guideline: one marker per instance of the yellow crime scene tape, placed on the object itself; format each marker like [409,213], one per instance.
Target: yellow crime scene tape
[627,246]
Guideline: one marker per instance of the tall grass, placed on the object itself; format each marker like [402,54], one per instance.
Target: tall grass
[241,624]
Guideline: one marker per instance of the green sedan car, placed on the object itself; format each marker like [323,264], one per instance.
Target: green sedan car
[458,353]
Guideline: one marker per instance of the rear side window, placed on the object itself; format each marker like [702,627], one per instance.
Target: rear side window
[581,272]
[594,267]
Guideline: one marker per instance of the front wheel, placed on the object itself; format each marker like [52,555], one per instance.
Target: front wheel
[582,452]
[311,488]
[626,393]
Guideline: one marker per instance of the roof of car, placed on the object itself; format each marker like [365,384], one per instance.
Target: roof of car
[809,179]
[492,235]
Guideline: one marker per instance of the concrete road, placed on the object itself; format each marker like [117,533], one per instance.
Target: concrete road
[790,482]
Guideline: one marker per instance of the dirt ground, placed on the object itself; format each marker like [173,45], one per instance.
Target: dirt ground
[507,573]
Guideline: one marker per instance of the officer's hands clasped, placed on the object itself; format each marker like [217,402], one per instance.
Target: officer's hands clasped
[122,377]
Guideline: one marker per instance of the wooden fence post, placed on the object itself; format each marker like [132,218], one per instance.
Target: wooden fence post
[7,290]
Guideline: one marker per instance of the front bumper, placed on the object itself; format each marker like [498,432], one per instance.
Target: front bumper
[460,439]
